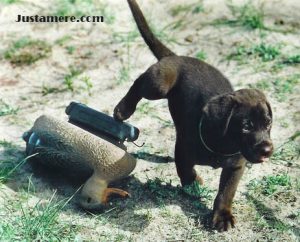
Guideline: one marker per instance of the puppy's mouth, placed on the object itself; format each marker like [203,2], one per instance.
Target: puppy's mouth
[262,159]
[256,159]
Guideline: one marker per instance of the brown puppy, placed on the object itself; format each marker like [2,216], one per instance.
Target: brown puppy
[215,125]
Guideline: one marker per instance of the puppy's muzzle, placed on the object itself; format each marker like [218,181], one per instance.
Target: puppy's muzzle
[264,150]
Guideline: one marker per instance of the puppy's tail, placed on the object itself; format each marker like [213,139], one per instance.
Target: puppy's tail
[157,47]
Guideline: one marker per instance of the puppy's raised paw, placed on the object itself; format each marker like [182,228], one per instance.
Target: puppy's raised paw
[223,220]
[123,111]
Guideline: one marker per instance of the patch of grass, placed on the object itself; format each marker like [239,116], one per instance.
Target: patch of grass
[262,85]
[241,54]
[161,190]
[70,49]
[73,8]
[7,144]
[246,15]
[121,237]
[186,8]
[163,122]
[117,236]
[8,167]
[69,83]
[125,37]
[201,55]
[283,87]
[38,223]
[266,218]
[9,1]
[61,41]
[46,90]
[266,52]
[6,109]
[288,152]
[198,8]
[88,84]
[197,190]
[271,53]
[26,51]
[8,147]
[164,34]
[145,108]
[291,60]
[280,87]
[70,77]
[269,185]
[148,215]
[263,51]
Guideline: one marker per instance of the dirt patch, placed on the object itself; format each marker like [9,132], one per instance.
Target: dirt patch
[7,82]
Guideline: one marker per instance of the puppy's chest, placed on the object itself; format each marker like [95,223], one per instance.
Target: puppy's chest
[217,161]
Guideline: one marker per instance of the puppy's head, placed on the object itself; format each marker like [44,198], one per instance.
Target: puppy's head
[245,116]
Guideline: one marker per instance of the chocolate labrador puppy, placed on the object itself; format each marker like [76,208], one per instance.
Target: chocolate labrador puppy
[215,125]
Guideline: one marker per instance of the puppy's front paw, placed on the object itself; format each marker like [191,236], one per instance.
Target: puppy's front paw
[123,111]
[223,220]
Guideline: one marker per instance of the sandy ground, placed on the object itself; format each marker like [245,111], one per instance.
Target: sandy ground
[101,54]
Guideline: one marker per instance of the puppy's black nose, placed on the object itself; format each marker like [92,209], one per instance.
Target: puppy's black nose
[265,148]
[266,151]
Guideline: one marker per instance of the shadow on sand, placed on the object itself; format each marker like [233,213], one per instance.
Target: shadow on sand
[122,212]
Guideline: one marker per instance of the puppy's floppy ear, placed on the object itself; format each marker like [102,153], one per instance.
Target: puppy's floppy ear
[269,109]
[219,111]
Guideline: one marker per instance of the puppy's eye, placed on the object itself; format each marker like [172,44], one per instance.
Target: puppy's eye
[247,126]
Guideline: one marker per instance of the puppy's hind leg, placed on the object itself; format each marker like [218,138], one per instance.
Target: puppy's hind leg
[153,84]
